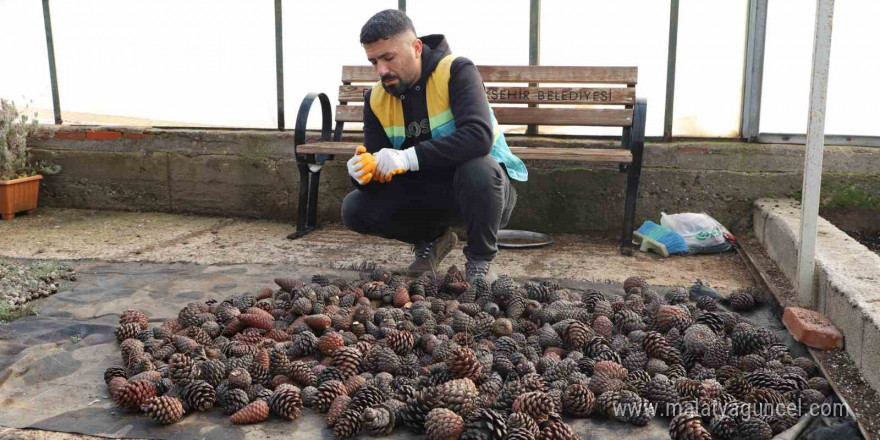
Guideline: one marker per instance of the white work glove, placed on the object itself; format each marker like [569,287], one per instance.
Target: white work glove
[390,162]
[362,166]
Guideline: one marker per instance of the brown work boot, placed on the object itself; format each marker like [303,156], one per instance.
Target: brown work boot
[430,254]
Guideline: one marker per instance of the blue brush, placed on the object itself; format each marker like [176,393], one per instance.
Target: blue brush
[660,239]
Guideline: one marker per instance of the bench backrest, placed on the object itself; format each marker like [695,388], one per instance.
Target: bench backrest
[516,94]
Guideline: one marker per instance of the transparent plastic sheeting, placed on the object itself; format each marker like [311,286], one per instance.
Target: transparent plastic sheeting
[24,76]
[709,68]
[854,64]
[603,33]
[163,62]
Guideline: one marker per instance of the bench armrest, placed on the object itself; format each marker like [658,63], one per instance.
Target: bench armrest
[302,117]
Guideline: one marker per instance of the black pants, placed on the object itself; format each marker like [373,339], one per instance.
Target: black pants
[416,207]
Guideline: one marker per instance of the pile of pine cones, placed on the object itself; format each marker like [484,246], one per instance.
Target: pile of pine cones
[454,360]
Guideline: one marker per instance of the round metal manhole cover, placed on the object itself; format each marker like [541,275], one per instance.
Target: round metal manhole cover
[516,239]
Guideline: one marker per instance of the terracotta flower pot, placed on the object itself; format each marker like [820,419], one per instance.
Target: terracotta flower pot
[19,195]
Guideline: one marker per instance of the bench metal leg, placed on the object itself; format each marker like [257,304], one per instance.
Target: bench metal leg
[635,137]
[307,208]
[313,199]
[629,212]
[302,207]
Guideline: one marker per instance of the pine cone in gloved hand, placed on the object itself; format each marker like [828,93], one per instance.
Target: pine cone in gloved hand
[362,166]
[390,162]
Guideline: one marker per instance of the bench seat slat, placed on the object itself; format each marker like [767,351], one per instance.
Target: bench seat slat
[522,116]
[535,153]
[524,74]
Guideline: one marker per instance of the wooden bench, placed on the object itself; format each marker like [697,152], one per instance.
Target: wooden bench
[521,94]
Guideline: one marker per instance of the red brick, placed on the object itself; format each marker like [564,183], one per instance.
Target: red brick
[70,135]
[812,328]
[103,135]
[136,135]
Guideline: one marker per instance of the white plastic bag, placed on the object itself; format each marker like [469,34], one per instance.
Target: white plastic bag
[701,232]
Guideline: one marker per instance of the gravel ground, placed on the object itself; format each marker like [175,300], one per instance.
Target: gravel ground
[21,282]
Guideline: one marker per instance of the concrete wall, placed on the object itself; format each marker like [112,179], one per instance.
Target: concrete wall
[847,280]
[253,174]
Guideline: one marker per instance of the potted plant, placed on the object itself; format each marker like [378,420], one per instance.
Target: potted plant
[19,179]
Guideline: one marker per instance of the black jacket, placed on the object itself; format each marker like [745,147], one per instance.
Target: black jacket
[473,135]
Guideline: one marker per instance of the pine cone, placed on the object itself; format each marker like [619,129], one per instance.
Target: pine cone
[134,394]
[184,344]
[127,331]
[463,363]
[233,400]
[601,384]
[754,428]
[381,359]
[578,400]
[663,394]
[610,369]
[254,412]
[340,405]
[288,284]
[576,335]
[380,421]
[557,430]
[459,395]
[706,303]
[485,424]
[657,346]
[741,301]
[329,343]
[366,396]
[132,316]
[670,316]
[677,295]
[317,322]
[163,409]
[327,392]
[212,371]
[239,378]
[724,427]
[114,371]
[198,395]
[522,421]
[347,360]
[286,402]
[401,342]
[348,425]
[536,404]
[115,386]
[603,326]
[698,338]
[519,434]
[634,281]
[300,373]
[688,426]
[443,424]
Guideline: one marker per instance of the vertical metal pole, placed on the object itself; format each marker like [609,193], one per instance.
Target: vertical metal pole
[754,69]
[534,47]
[401,4]
[53,75]
[670,69]
[279,64]
[815,146]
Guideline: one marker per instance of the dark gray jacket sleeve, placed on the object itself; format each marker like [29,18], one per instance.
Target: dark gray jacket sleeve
[473,124]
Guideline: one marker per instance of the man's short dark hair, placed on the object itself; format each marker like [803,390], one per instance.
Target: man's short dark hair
[386,24]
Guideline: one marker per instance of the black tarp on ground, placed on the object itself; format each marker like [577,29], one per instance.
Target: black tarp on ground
[51,365]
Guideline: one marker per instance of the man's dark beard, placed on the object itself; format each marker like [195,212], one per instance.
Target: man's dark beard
[396,89]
